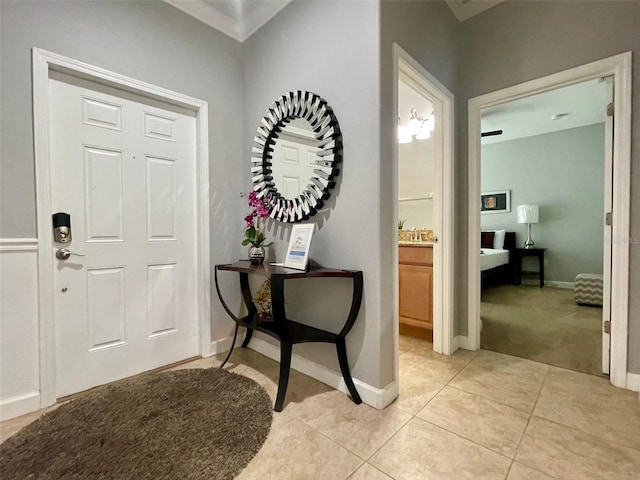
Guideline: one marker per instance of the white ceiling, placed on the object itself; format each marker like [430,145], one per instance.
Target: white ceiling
[584,102]
[242,18]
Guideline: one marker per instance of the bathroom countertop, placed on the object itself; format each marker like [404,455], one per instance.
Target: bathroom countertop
[408,243]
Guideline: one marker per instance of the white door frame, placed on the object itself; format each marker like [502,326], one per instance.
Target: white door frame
[443,103]
[43,62]
[620,67]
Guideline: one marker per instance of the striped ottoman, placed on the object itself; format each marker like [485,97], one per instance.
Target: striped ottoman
[588,289]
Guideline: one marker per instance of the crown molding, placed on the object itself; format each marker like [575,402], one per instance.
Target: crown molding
[465,9]
[237,29]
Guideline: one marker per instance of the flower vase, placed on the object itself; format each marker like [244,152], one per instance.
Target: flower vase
[256,254]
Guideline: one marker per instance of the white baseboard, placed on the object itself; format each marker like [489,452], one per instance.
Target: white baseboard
[15,406]
[567,285]
[376,397]
[224,344]
[534,282]
[633,381]
[461,341]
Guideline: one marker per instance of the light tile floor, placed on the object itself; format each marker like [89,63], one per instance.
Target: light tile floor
[479,415]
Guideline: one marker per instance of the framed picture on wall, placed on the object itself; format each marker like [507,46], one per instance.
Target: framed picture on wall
[495,202]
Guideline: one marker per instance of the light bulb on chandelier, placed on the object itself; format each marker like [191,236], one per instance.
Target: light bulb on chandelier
[420,128]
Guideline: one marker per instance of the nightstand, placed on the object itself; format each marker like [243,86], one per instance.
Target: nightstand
[529,252]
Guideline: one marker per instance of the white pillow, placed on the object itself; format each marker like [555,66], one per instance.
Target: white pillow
[498,239]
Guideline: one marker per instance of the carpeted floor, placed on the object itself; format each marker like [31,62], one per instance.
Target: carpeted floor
[184,424]
[542,324]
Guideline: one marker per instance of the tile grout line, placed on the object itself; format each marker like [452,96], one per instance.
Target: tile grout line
[415,415]
[465,438]
[527,426]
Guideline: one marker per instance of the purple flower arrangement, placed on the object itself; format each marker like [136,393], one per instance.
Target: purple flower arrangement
[259,210]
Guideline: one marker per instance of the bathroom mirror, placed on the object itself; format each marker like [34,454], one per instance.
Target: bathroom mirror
[295,156]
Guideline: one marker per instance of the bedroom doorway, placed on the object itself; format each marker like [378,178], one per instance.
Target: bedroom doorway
[613,220]
[543,197]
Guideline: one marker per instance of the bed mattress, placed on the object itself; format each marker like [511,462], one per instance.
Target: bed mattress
[492,258]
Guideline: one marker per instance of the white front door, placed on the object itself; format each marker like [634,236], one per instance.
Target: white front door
[123,167]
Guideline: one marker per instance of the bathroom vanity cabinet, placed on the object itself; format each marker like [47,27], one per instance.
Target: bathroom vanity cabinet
[416,285]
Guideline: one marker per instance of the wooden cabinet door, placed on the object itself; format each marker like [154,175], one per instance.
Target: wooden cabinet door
[416,287]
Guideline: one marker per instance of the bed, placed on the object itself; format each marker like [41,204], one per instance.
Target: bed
[498,264]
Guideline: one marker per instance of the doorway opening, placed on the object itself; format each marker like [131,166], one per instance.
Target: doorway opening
[542,257]
[615,221]
[423,227]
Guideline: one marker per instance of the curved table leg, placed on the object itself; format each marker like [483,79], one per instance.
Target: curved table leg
[235,335]
[285,367]
[247,337]
[346,373]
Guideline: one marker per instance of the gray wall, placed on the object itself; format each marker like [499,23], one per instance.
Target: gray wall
[428,32]
[562,173]
[416,178]
[519,41]
[330,48]
[150,41]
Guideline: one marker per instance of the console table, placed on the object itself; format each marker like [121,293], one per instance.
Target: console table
[287,331]
[529,252]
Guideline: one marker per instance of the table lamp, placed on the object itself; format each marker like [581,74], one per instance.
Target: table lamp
[528,214]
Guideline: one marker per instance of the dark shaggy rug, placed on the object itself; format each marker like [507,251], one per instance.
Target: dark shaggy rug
[184,424]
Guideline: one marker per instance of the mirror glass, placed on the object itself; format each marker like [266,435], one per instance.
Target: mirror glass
[296,154]
[294,158]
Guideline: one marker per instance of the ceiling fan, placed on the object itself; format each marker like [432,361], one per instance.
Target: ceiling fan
[491,134]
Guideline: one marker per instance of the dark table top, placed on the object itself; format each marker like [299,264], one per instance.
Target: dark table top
[266,270]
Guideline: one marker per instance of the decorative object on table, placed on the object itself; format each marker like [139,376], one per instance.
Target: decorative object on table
[528,214]
[495,202]
[176,424]
[252,234]
[314,111]
[299,243]
[401,224]
[262,301]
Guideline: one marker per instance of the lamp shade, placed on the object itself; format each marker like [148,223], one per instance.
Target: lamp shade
[527,213]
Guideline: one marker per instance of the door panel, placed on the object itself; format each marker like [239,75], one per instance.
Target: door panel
[123,167]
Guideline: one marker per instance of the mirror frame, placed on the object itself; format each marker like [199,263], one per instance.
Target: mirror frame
[326,130]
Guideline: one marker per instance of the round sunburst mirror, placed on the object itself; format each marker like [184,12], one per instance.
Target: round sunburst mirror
[295,157]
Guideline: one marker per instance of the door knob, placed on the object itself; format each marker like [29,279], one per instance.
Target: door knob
[64,253]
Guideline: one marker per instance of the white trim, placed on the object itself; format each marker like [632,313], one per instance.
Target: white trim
[443,291]
[43,62]
[18,244]
[534,282]
[19,405]
[620,67]
[376,397]
[211,16]
[224,344]
[462,341]
[464,10]
[237,29]
[633,381]
[554,284]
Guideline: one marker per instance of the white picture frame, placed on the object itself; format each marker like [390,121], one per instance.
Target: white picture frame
[495,202]
[299,244]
